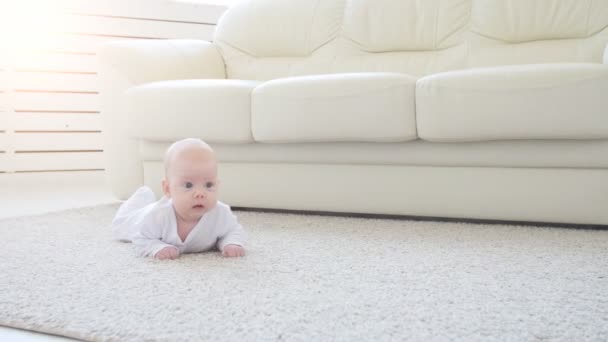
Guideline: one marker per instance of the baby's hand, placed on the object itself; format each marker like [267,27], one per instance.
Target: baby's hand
[167,253]
[233,251]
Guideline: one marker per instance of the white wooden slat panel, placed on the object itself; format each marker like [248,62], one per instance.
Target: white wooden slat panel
[28,102]
[163,10]
[57,161]
[3,101]
[55,81]
[53,84]
[56,122]
[95,25]
[3,121]
[68,42]
[5,151]
[75,177]
[3,162]
[57,141]
[55,62]
[4,83]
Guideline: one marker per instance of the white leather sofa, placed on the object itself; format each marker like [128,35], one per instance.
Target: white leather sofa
[482,109]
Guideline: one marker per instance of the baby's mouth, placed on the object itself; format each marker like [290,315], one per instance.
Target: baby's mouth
[198,206]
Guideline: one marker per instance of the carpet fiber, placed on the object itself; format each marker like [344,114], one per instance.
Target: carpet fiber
[308,278]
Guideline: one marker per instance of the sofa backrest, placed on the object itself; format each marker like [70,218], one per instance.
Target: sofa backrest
[537,31]
[267,39]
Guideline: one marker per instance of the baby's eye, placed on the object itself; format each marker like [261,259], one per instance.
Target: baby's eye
[209,185]
[188,185]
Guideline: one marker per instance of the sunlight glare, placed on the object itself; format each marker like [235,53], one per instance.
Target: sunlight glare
[27,24]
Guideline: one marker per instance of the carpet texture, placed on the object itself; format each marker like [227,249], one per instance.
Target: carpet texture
[308,278]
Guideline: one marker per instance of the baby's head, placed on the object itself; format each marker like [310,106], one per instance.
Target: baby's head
[191,178]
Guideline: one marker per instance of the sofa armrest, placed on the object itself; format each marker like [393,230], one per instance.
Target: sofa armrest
[124,64]
[143,61]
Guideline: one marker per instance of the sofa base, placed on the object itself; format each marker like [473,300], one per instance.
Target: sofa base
[574,196]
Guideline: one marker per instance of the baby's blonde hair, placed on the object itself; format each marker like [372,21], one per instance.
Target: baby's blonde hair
[181,145]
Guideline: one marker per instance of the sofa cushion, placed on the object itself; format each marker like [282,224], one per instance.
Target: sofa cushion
[215,110]
[270,28]
[406,25]
[374,107]
[519,21]
[548,101]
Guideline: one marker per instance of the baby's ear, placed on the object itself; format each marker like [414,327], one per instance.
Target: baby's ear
[166,189]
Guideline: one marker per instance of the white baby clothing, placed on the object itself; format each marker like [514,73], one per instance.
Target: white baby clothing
[151,225]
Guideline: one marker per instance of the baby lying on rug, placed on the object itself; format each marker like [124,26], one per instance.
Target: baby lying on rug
[189,218]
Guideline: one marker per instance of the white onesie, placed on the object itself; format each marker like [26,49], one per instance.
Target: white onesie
[151,225]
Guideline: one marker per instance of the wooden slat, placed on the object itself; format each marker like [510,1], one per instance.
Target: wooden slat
[4,82]
[3,161]
[163,10]
[4,60]
[51,161]
[55,81]
[4,124]
[24,142]
[3,141]
[58,178]
[124,27]
[56,122]
[3,102]
[68,42]
[28,102]
[55,62]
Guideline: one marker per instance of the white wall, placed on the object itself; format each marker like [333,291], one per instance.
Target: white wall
[49,99]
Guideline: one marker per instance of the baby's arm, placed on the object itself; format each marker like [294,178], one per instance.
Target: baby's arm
[170,252]
[232,243]
[233,251]
[147,242]
[147,245]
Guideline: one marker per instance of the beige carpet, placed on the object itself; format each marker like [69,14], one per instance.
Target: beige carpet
[308,278]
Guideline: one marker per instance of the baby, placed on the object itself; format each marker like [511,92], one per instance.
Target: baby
[189,218]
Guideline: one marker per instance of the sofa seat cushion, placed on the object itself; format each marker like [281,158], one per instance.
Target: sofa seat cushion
[215,110]
[542,101]
[365,107]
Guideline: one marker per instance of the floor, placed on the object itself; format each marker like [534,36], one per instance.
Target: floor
[37,193]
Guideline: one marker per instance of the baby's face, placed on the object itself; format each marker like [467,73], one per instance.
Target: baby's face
[192,183]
